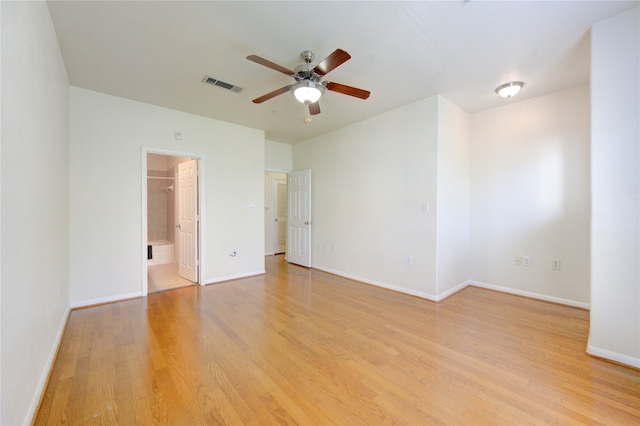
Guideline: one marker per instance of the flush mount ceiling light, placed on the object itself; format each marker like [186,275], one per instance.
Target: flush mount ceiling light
[307,91]
[509,89]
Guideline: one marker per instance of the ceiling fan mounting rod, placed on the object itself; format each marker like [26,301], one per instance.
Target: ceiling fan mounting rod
[308,56]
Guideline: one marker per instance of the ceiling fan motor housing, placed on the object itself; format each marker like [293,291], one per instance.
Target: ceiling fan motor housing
[304,71]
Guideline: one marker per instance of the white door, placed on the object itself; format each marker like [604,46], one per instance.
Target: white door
[279,214]
[188,220]
[299,218]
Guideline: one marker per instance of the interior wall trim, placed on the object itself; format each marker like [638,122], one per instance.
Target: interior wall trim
[38,395]
[544,297]
[613,356]
[104,300]
[387,286]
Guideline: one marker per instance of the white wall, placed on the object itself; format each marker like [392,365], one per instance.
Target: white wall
[106,172]
[392,187]
[452,198]
[35,199]
[278,156]
[369,182]
[615,185]
[521,188]
[530,196]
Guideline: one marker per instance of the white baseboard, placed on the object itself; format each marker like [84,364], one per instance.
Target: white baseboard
[121,297]
[420,294]
[46,371]
[613,356]
[233,277]
[103,300]
[531,295]
[453,291]
[459,287]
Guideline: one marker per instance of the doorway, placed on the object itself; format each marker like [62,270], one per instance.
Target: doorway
[172,213]
[275,213]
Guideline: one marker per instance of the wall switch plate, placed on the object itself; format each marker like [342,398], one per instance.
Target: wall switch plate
[425,207]
[178,136]
[517,260]
[526,261]
[409,260]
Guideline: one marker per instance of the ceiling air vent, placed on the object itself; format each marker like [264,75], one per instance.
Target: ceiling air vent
[215,82]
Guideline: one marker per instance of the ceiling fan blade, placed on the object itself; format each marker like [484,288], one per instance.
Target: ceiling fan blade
[314,109]
[269,64]
[348,90]
[270,95]
[333,61]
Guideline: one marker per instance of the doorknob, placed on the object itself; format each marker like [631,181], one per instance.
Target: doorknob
[306,223]
[276,219]
[178,226]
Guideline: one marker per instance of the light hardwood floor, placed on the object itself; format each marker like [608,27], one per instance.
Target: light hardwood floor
[300,346]
[165,277]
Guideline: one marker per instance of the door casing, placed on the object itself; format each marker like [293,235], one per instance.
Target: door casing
[278,215]
[201,213]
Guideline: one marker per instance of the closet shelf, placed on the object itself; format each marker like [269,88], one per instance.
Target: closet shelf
[159,177]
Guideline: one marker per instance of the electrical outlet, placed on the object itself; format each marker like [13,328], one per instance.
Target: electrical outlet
[555,264]
[526,261]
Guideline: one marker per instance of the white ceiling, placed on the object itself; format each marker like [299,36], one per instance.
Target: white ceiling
[402,51]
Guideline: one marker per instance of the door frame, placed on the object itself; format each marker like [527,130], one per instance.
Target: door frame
[144,218]
[274,222]
[269,228]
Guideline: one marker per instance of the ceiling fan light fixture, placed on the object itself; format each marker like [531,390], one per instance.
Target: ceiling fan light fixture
[307,91]
[510,89]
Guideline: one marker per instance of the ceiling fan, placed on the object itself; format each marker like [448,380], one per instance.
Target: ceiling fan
[309,86]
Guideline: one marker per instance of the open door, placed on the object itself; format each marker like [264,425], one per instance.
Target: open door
[188,220]
[299,218]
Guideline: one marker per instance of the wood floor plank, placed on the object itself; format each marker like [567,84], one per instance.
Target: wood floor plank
[300,346]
